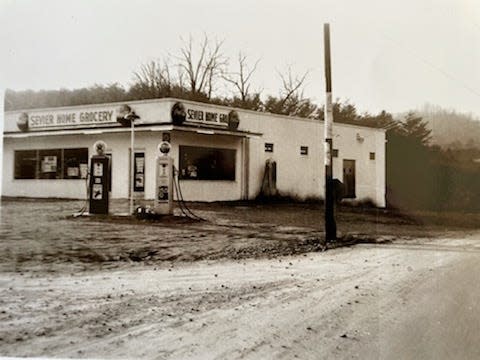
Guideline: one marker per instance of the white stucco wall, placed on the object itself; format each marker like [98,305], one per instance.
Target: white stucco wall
[303,176]
[298,175]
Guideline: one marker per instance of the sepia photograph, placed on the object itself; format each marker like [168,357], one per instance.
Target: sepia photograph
[240,179]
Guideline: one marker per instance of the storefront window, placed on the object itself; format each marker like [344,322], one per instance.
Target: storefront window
[25,164]
[75,163]
[51,164]
[202,163]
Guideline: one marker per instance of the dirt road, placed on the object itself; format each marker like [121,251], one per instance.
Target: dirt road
[416,299]
[247,283]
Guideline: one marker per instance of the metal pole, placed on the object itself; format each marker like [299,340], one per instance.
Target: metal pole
[330,226]
[132,164]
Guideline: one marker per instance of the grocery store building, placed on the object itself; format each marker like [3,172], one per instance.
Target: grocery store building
[220,152]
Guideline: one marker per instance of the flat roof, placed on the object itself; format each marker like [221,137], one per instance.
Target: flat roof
[197,103]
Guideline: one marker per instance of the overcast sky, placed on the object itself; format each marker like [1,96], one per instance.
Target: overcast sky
[392,55]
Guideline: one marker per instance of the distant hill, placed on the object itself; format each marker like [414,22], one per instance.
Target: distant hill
[451,129]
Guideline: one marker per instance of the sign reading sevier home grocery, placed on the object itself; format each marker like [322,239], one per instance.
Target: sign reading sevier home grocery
[198,114]
[73,118]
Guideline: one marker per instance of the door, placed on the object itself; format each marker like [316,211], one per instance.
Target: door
[349,178]
[138,174]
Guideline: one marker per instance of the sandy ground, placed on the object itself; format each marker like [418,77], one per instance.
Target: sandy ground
[43,235]
[393,300]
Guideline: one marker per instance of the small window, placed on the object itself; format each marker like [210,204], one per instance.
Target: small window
[166,136]
[335,153]
[303,150]
[268,147]
[372,156]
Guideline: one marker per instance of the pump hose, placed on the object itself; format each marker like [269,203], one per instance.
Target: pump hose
[87,188]
[180,203]
[183,206]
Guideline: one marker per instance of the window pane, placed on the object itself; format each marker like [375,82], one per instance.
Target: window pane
[50,164]
[25,164]
[200,163]
[75,163]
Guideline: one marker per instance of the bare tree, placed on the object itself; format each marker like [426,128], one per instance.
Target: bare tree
[153,79]
[291,86]
[201,72]
[241,78]
[292,100]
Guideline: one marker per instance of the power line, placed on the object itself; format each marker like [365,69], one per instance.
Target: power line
[433,66]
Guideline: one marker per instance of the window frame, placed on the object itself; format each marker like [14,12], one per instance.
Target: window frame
[231,170]
[66,158]
[17,166]
[61,167]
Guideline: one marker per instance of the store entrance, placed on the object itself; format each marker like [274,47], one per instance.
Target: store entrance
[349,178]
[138,174]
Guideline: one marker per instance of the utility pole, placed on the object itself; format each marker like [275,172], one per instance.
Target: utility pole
[330,226]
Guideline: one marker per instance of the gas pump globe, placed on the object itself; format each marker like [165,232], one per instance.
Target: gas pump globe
[164,147]
[100,147]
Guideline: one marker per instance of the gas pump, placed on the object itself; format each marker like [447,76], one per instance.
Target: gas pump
[99,179]
[163,204]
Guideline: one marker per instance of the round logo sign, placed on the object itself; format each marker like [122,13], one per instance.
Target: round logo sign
[179,114]
[233,120]
[22,122]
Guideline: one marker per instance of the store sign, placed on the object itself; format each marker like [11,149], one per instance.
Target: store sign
[69,119]
[181,113]
[198,115]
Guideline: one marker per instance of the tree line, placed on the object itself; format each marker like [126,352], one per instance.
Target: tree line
[199,71]
[419,174]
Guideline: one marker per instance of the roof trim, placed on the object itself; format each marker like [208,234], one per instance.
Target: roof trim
[155,127]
